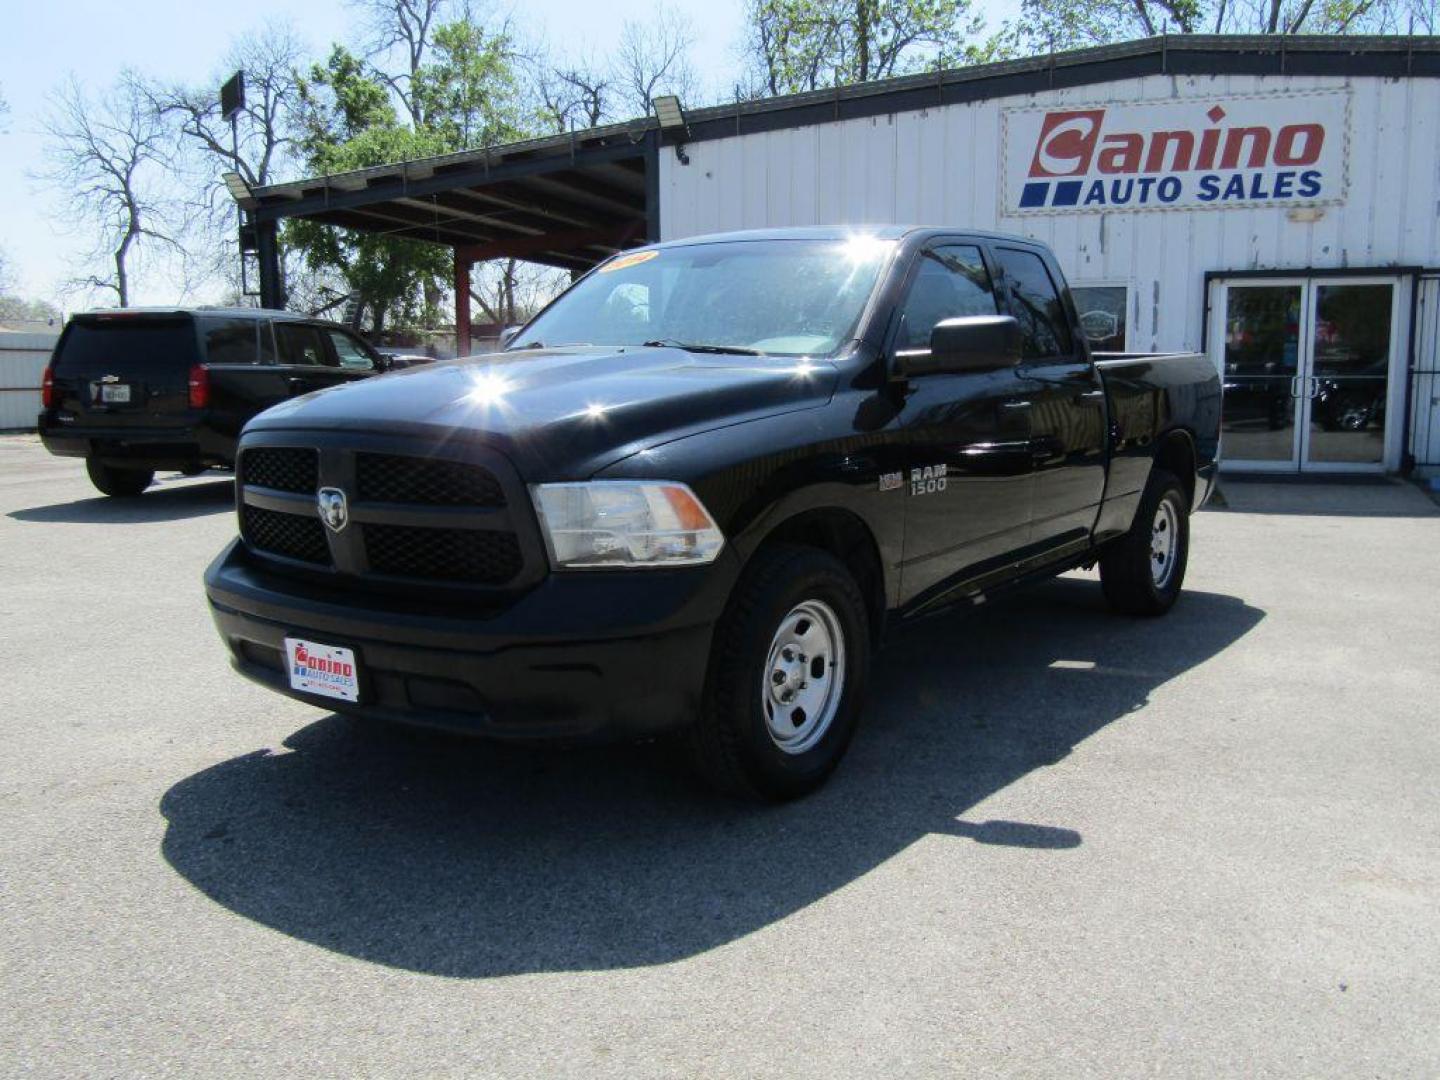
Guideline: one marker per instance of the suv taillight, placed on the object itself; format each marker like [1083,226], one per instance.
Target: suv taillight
[199,386]
[48,397]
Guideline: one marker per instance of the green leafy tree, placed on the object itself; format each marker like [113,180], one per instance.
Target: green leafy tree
[348,123]
[802,45]
[1047,25]
[468,91]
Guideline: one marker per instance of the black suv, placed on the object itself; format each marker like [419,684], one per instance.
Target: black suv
[137,390]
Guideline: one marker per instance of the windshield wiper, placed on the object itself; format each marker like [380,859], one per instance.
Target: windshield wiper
[696,347]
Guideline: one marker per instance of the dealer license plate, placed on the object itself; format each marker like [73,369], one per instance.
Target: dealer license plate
[327,670]
[115,393]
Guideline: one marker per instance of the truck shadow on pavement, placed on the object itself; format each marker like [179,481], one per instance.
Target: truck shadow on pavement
[475,860]
[159,503]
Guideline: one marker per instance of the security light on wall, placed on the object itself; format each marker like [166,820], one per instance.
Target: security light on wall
[672,123]
[668,112]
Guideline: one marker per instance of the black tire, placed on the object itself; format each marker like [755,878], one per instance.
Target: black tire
[731,745]
[124,483]
[1127,571]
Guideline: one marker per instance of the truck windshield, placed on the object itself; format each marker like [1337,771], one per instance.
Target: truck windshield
[786,297]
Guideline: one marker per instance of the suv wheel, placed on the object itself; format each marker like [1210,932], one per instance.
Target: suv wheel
[787,677]
[1143,571]
[113,481]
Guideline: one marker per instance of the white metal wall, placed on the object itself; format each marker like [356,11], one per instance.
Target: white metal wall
[941,166]
[1425,404]
[22,363]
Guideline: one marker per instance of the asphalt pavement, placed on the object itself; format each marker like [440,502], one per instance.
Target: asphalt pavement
[1065,843]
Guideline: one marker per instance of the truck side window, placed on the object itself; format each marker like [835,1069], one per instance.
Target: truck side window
[951,283]
[1035,302]
[299,344]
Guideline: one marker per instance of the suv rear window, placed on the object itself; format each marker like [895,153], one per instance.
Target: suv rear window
[125,344]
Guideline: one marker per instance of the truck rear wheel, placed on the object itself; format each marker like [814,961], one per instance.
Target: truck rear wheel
[787,677]
[1142,572]
[122,482]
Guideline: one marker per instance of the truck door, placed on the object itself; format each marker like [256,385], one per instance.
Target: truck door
[967,437]
[1067,415]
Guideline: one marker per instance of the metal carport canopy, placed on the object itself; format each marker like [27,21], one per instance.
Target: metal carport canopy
[568,201]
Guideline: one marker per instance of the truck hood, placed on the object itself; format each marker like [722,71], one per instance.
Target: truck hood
[564,413]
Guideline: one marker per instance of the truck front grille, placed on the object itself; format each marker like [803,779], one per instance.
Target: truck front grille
[293,536]
[470,555]
[281,468]
[456,518]
[427,481]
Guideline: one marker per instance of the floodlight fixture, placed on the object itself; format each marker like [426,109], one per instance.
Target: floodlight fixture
[668,112]
[235,184]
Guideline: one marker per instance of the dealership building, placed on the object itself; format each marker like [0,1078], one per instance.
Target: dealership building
[1274,202]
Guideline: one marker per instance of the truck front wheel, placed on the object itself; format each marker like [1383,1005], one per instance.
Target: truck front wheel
[1142,572]
[787,677]
[109,480]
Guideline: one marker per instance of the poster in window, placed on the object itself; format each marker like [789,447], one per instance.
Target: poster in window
[1102,315]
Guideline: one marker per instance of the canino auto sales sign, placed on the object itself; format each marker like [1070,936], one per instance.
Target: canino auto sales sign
[1204,152]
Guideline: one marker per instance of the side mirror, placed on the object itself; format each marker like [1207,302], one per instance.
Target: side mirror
[508,335]
[973,343]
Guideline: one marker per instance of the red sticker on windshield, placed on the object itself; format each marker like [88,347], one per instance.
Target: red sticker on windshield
[634,259]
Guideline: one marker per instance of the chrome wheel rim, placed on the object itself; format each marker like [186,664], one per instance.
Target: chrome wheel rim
[1164,543]
[804,677]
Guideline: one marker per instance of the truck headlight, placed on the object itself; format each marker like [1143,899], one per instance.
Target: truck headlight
[625,523]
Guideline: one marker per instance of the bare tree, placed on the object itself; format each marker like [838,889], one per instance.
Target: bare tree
[654,57]
[509,291]
[206,148]
[107,159]
[408,25]
[571,96]
[269,59]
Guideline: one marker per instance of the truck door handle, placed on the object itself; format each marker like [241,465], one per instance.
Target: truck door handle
[295,384]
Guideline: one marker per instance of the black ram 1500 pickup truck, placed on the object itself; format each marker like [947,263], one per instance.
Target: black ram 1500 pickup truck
[695,490]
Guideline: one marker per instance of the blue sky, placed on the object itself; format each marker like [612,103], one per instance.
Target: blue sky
[175,40]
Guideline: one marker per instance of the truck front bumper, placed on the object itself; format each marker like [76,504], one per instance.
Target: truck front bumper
[581,657]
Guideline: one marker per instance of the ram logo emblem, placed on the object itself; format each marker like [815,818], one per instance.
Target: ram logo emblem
[334,510]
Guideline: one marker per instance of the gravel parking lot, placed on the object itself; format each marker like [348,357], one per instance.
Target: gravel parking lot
[1065,843]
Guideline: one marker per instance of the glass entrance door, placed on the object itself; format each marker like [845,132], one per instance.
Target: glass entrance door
[1260,369]
[1348,381]
[1306,365]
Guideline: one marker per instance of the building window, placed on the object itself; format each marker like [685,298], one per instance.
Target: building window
[1102,310]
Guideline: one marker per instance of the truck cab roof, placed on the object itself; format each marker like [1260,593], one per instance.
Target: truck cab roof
[832,232]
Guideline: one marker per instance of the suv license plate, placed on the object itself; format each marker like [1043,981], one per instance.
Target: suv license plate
[327,670]
[115,393]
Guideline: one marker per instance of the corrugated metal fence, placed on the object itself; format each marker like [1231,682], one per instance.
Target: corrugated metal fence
[22,363]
